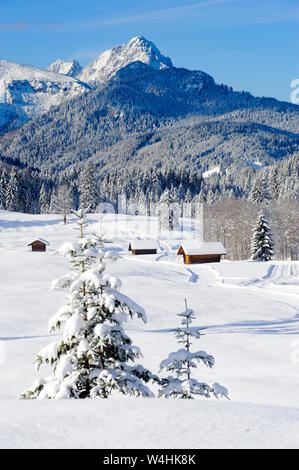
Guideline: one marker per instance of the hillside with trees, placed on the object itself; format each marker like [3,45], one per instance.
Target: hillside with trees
[144,118]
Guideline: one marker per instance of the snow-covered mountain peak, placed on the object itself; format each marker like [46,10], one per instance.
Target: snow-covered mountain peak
[72,69]
[13,71]
[149,52]
[108,63]
[27,91]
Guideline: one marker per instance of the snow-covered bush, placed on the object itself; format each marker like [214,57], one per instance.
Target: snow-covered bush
[262,242]
[182,361]
[94,357]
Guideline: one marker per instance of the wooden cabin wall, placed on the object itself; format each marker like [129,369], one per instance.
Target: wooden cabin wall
[197,259]
[144,252]
[38,246]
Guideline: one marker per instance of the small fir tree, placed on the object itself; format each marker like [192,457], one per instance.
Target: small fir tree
[95,357]
[182,361]
[262,242]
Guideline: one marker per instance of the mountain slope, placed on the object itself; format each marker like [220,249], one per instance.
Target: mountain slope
[107,64]
[27,91]
[145,117]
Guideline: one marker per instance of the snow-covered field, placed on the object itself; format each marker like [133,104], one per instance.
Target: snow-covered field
[250,311]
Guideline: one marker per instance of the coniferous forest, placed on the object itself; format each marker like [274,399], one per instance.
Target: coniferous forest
[231,201]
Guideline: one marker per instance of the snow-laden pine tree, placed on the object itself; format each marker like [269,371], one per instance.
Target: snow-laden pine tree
[12,191]
[181,363]
[44,199]
[262,242]
[187,205]
[3,188]
[259,191]
[87,188]
[95,357]
[274,183]
[168,211]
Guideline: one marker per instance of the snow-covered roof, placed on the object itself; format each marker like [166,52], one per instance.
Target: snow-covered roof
[195,247]
[144,244]
[40,239]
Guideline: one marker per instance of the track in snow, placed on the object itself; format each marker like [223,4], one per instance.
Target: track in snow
[193,277]
[287,326]
[282,274]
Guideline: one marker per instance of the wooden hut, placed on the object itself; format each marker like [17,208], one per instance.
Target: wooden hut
[143,247]
[195,252]
[40,244]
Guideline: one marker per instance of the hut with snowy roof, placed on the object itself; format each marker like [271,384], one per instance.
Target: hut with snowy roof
[39,244]
[143,247]
[195,252]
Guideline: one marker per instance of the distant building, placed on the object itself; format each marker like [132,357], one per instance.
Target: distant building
[195,252]
[143,247]
[40,244]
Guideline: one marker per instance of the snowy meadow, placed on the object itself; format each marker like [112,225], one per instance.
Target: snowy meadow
[249,311]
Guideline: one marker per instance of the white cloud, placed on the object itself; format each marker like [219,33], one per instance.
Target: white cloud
[155,14]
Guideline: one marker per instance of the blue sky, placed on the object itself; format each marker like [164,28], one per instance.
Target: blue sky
[252,45]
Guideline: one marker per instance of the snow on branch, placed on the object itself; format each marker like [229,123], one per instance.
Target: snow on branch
[182,362]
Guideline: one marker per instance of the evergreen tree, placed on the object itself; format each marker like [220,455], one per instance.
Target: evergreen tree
[72,180]
[3,188]
[262,243]
[188,209]
[168,210]
[21,193]
[210,196]
[44,199]
[274,184]
[259,192]
[34,193]
[12,191]
[95,357]
[182,361]
[87,188]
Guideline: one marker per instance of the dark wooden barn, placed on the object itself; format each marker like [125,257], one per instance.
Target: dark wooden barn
[143,247]
[39,244]
[196,252]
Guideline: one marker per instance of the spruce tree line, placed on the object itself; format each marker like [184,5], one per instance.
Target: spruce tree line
[28,190]
[229,213]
